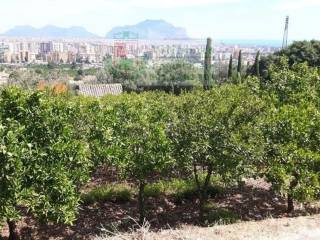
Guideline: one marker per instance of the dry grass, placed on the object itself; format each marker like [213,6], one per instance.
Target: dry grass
[301,228]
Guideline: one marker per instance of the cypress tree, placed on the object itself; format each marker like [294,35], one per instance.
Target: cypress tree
[207,65]
[257,65]
[230,67]
[239,68]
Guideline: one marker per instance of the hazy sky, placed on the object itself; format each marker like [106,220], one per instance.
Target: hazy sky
[240,19]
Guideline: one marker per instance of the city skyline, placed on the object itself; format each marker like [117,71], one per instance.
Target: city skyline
[220,19]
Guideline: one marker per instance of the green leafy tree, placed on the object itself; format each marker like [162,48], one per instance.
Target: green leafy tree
[291,152]
[291,159]
[14,151]
[50,157]
[142,146]
[209,132]
[208,65]
[130,73]
[298,52]
[177,74]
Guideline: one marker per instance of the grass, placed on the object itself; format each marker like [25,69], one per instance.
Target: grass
[117,193]
[181,190]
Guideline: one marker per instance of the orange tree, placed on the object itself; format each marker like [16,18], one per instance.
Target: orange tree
[46,157]
[141,145]
[289,131]
[211,135]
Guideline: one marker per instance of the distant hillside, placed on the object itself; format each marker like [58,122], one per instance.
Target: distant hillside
[149,29]
[49,32]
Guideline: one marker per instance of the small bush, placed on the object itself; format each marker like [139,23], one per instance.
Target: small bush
[119,193]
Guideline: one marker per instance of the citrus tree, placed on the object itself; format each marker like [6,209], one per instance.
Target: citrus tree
[142,146]
[211,135]
[292,159]
[290,131]
[51,159]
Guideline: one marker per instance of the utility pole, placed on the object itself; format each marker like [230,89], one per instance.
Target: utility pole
[286,33]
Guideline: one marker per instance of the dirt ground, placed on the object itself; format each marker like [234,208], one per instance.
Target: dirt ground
[301,228]
[254,202]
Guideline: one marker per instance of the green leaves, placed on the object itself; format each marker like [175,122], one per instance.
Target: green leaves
[44,159]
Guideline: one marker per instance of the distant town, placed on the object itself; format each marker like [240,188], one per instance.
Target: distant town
[19,51]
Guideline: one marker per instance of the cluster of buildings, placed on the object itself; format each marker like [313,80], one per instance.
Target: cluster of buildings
[20,51]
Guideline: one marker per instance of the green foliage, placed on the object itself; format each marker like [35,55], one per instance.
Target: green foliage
[130,73]
[49,159]
[289,131]
[177,74]
[291,85]
[210,135]
[14,152]
[117,193]
[264,127]
[208,65]
[142,147]
[298,52]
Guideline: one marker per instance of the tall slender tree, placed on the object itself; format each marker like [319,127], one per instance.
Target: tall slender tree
[207,65]
[230,69]
[256,66]
[239,68]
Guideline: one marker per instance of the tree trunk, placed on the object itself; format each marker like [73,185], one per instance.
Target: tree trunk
[141,202]
[13,234]
[202,191]
[290,204]
[293,184]
[202,202]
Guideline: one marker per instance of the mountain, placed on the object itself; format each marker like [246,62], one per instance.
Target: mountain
[49,31]
[149,29]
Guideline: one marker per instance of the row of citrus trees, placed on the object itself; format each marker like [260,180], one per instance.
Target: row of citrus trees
[262,128]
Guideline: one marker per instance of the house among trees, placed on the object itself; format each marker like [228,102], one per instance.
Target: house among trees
[99,90]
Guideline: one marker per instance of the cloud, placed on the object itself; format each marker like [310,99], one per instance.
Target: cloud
[297,4]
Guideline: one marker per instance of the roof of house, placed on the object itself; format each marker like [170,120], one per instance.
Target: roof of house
[99,90]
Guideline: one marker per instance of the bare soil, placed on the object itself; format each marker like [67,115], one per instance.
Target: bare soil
[301,228]
[253,202]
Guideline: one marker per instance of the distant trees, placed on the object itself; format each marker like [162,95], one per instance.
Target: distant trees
[208,65]
[130,73]
[298,52]
[25,79]
[177,74]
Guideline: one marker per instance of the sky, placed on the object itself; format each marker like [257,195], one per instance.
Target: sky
[219,19]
